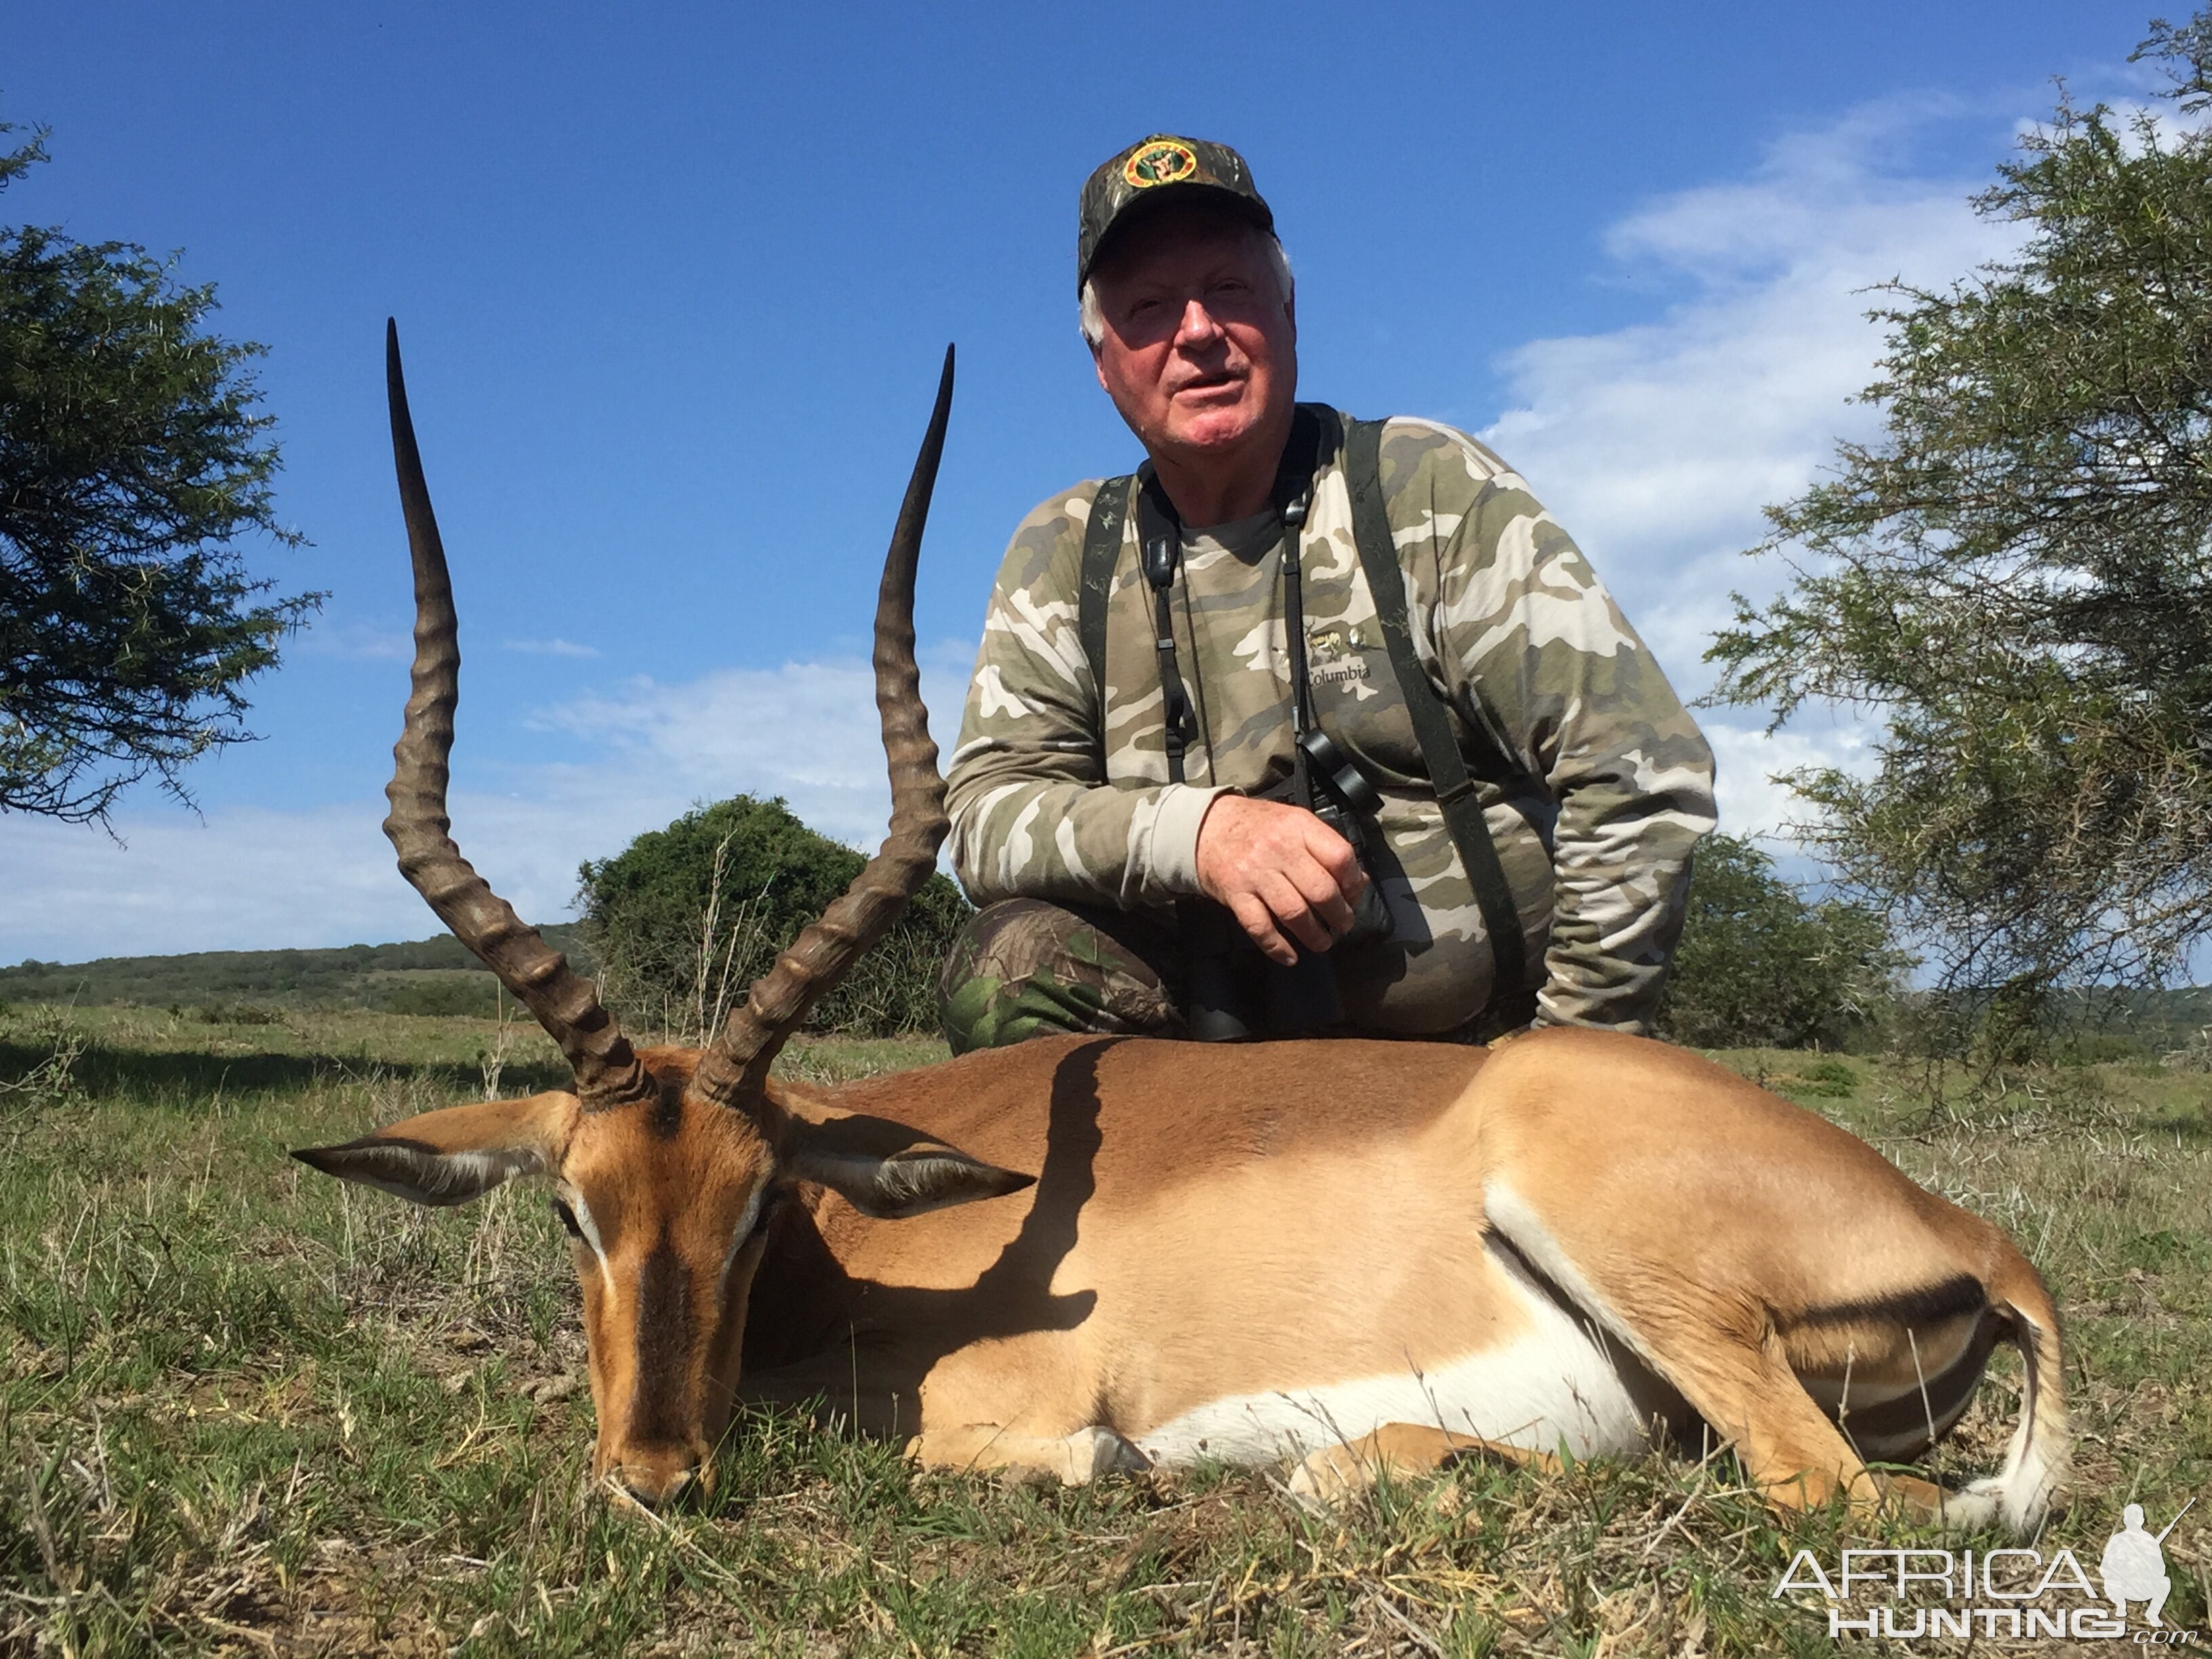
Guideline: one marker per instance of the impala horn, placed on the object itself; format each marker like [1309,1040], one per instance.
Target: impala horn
[736,1065]
[608,1072]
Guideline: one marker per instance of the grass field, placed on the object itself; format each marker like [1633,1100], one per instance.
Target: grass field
[247,1410]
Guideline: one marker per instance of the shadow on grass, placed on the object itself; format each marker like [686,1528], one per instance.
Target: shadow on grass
[152,1075]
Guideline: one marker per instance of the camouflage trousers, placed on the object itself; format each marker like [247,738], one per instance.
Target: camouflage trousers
[1025,968]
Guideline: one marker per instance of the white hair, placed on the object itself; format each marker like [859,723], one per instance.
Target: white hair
[1092,321]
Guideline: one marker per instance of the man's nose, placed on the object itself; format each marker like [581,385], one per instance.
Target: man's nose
[1198,325]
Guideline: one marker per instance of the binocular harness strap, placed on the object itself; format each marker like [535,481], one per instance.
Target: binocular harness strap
[1440,749]
[1102,551]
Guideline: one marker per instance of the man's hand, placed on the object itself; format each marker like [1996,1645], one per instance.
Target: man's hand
[1278,867]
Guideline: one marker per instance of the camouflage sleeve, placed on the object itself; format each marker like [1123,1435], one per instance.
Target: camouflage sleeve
[1531,645]
[1034,814]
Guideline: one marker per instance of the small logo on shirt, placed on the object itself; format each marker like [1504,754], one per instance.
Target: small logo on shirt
[1334,642]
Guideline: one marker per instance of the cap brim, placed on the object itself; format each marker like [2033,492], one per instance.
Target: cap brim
[1144,207]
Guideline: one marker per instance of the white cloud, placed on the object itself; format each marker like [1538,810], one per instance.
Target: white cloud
[1750,762]
[252,878]
[1657,445]
[242,878]
[353,642]
[555,648]
[806,731]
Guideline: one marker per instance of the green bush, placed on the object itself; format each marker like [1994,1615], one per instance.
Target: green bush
[1829,1078]
[1760,967]
[684,919]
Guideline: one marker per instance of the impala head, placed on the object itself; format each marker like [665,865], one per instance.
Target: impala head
[663,1161]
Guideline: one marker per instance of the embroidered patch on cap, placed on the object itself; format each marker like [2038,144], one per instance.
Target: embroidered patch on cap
[1162,163]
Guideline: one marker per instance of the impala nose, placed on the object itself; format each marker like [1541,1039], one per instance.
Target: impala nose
[657,1482]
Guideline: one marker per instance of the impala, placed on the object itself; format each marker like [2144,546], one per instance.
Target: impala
[1085,1254]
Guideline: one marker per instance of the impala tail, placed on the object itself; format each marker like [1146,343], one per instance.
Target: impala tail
[2041,1456]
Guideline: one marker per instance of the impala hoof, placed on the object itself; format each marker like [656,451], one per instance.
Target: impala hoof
[1328,1479]
[1090,1453]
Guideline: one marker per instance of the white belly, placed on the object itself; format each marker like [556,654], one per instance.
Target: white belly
[1555,1384]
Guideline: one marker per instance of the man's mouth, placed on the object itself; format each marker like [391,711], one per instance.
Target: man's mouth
[1201,383]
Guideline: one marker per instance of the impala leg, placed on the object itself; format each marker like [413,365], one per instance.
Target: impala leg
[1788,1448]
[1803,1462]
[1335,1475]
[1717,1349]
[1917,1499]
[1747,1389]
[828,1384]
[1074,1460]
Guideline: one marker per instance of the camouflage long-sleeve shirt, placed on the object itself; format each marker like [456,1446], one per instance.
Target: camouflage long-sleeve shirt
[1060,791]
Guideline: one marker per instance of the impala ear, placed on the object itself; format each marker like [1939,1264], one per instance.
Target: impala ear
[455,1154]
[885,1169]
[905,1183]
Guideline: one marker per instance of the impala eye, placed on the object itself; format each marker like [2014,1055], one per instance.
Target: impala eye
[567,1218]
[753,1227]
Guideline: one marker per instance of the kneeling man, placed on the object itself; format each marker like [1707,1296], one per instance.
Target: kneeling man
[1312,726]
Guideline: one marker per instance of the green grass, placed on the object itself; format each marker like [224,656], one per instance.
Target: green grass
[247,1410]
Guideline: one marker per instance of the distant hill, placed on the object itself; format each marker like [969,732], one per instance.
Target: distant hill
[2157,1020]
[439,977]
[424,976]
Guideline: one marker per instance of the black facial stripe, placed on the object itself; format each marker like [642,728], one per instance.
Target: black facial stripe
[664,1348]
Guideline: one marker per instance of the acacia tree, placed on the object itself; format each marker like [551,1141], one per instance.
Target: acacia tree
[132,460]
[2017,578]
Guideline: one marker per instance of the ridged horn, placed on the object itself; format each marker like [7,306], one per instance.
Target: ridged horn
[608,1073]
[736,1065]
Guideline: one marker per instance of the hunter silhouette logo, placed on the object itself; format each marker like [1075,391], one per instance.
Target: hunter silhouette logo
[2134,1565]
[1160,164]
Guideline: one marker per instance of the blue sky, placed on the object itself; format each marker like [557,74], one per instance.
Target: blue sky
[673,283]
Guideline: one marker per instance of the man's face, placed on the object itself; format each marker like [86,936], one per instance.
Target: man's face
[1200,348]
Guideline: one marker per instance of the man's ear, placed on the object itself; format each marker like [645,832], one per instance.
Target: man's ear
[457,1153]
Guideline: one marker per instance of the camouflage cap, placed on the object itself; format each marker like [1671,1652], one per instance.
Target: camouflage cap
[1162,168]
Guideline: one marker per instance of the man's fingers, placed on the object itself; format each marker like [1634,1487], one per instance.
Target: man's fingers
[1256,920]
[1294,910]
[1335,854]
[1324,898]
[1283,872]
